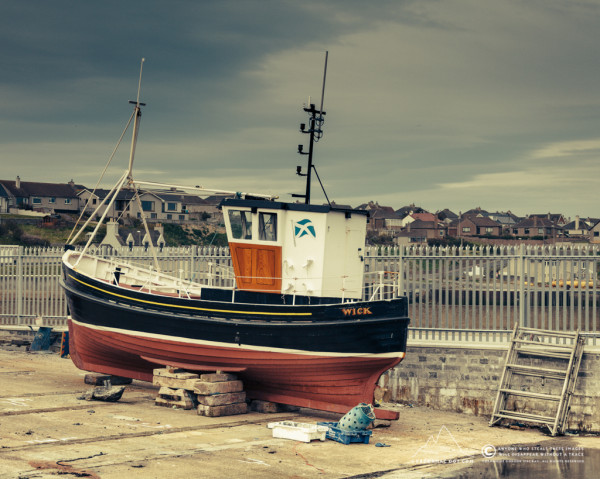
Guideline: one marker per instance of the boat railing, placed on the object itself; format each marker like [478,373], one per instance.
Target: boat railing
[188,282]
[151,283]
[383,285]
[137,277]
[376,285]
[217,273]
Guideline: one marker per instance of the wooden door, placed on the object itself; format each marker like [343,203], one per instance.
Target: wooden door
[256,267]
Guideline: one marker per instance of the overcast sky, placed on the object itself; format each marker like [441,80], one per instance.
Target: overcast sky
[445,104]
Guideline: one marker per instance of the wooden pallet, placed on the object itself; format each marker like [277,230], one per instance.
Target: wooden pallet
[526,344]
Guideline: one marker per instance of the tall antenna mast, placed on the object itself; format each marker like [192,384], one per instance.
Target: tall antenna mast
[315,130]
[324,77]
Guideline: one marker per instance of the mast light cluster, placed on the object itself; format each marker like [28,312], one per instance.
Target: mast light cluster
[315,130]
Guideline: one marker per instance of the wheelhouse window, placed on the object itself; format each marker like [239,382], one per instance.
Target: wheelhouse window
[267,227]
[241,224]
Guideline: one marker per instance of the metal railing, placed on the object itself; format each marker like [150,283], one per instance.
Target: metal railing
[477,293]
[29,277]
[455,294]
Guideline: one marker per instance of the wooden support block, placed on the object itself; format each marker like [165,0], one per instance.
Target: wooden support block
[171,372]
[177,398]
[222,399]
[169,393]
[225,410]
[217,377]
[175,383]
[206,389]
[97,379]
[173,404]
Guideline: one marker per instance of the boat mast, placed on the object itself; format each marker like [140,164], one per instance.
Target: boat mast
[315,130]
[136,123]
[126,178]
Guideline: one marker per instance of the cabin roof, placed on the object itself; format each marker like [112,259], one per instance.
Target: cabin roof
[276,205]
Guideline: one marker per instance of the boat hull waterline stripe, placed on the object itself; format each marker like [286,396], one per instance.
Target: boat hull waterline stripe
[235,346]
[195,308]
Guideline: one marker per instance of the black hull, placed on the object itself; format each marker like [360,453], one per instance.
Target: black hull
[378,327]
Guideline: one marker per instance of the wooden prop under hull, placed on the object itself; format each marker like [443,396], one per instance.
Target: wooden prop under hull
[329,383]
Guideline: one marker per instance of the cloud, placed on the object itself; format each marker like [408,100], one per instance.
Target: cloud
[538,183]
[444,104]
[575,150]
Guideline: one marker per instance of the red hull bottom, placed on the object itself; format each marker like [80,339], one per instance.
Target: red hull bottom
[328,383]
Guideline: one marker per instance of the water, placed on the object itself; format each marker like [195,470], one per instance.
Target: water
[549,461]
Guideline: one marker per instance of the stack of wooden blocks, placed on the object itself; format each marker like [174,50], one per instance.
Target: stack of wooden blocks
[212,394]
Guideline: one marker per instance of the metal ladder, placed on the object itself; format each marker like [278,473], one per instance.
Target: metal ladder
[528,343]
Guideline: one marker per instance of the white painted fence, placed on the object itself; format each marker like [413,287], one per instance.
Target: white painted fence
[29,277]
[455,294]
[477,294]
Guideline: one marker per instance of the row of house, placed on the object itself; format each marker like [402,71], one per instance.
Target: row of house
[409,224]
[56,198]
[171,205]
[412,224]
[17,194]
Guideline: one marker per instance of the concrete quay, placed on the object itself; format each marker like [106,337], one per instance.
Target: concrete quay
[46,432]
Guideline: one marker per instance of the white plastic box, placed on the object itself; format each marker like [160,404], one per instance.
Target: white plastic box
[298,431]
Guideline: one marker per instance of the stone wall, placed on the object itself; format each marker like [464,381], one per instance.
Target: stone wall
[466,379]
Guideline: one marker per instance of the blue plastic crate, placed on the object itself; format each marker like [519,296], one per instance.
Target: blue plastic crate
[345,437]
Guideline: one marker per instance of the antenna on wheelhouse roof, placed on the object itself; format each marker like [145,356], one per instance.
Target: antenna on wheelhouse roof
[315,130]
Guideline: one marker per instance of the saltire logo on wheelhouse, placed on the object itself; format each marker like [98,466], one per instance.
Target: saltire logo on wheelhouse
[303,228]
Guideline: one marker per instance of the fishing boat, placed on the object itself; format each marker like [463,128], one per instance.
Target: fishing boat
[295,326]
